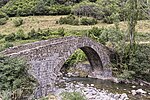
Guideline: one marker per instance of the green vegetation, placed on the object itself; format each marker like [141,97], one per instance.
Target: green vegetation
[15,80]
[88,21]
[17,22]
[72,96]
[73,20]
[3,18]
[76,57]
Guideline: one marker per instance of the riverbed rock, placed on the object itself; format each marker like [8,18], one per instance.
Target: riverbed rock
[133,86]
[92,93]
[141,91]
[133,92]
[123,97]
[92,85]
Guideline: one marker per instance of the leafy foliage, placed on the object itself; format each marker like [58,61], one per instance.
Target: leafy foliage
[72,96]
[3,18]
[88,21]
[10,37]
[15,78]
[5,45]
[78,56]
[71,20]
[17,22]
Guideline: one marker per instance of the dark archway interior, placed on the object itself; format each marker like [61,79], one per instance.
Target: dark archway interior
[92,57]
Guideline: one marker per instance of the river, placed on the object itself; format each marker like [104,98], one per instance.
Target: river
[110,88]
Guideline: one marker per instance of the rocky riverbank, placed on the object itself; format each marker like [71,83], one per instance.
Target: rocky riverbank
[90,92]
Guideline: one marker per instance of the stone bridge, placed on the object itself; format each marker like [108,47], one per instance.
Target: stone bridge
[48,56]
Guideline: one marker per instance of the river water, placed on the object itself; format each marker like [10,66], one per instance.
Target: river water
[109,86]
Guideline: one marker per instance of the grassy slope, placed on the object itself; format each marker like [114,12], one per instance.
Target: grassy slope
[44,22]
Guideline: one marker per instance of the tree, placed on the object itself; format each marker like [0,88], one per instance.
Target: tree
[132,19]
[135,10]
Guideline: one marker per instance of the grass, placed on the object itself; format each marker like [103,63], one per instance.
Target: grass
[44,22]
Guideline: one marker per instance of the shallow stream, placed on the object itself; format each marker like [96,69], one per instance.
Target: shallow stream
[109,86]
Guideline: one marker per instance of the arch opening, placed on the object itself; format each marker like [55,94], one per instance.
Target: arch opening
[91,61]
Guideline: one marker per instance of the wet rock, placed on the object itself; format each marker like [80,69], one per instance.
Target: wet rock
[141,91]
[123,97]
[141,84]
[92,85]
[133,86]
[133,92]
[92,93]
[77,86]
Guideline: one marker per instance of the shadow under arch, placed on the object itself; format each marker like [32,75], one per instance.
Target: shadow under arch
[91,55]
[93,58]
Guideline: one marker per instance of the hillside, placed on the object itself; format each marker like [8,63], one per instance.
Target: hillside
[44,22]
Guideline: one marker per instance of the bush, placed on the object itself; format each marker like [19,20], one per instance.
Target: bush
[72,96]
[77,56]
[71,20]
[88,21]
[17,22]
[3,15]
[20,35]
[61,31]
[3,18]
[58,10]
[15,77]
[2,36]
[10,37]
[5,46]
[32,34]
[3,21]
[20,7]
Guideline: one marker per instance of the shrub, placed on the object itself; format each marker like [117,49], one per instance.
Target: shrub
[33,34]
[5,45]
[71,20]
[2,36]
[10,37]
[77,56]
[88,21]
[3,18]
[20,35]
[61,31]
[15,77]
[3,15]
[72,96]
[59,10]
[20,7]
[3,21]
[17,22]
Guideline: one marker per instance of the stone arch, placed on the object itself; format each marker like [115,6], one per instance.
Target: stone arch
[92,56]
[47,57]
